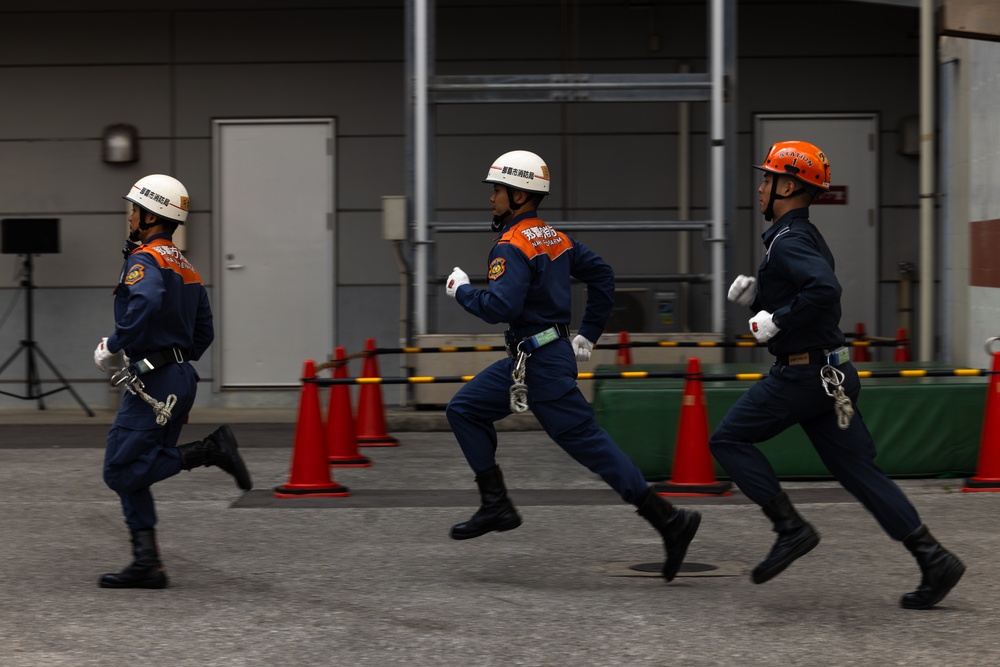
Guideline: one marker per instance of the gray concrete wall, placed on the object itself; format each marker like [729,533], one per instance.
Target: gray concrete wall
[976,147]
[68,69]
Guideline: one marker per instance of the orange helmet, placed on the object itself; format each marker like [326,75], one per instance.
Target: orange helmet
[801,160]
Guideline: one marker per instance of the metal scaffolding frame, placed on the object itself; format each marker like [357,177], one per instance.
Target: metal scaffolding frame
[427,90]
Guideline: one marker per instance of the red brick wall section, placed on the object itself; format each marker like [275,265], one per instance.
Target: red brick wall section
[985,250]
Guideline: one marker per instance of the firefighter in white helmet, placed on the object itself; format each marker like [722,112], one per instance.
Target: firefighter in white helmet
[163,320]
[528,287]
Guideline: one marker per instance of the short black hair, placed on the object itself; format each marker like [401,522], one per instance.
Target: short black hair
[169,225]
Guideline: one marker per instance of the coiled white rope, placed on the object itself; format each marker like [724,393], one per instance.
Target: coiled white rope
[519,390]
[136,387]
[841,403]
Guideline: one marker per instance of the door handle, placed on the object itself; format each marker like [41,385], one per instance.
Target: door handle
[235,266]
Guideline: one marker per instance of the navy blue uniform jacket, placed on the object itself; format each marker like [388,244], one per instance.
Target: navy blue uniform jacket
[797,285]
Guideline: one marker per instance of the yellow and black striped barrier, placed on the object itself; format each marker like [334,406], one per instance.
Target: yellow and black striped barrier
[618,346]
[650,375]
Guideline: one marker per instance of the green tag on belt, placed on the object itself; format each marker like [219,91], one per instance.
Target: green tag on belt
[843,355]
[546,337]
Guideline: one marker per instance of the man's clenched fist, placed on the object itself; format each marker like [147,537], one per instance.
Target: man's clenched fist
[457,278]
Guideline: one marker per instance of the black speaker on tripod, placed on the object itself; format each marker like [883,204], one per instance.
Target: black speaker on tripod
[29,237]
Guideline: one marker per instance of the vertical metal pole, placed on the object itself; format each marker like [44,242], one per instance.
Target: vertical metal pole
[718,160]
[421,166]
[927,145]
[684,204]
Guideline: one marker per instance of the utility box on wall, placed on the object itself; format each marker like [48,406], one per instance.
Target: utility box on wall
[654,308]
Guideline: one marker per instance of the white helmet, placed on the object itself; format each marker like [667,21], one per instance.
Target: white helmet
[160,194]
[522,170]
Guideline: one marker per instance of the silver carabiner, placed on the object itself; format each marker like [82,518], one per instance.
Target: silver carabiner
[124,376]
[519,390]
[830,376]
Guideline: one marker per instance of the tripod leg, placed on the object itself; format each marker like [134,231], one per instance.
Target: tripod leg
[20,348]
[63,381]
[33,381]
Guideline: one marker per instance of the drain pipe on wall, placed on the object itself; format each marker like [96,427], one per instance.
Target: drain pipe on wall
[684,203]
[718,239]
[420,160]
[927,194]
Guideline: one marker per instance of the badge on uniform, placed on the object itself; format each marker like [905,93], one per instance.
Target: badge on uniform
[496,268]
[134,275]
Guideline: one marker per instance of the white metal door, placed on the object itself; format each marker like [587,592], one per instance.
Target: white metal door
[274,248]
[848,217]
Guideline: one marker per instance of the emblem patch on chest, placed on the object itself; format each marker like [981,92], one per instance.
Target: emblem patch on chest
[134,275]
[497,267]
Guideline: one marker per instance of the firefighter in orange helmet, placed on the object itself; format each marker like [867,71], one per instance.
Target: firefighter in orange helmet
[796,300]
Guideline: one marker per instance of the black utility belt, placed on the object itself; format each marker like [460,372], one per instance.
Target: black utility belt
[836,357]
[516,341]
[157,359]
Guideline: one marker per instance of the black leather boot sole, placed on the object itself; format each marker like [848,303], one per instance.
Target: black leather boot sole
[228,457]
[677,549]
[786,550]
[469,530]
[924,598]
[116,580]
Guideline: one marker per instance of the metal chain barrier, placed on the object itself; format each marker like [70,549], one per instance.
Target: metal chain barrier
[337,363]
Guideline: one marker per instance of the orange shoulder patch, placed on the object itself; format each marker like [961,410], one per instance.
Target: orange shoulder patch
[497,267]
[534,238]
[134,275]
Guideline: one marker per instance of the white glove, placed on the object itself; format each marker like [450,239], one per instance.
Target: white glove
[743,290]
[102,354]
[458,277]
[762,326]
[582,348]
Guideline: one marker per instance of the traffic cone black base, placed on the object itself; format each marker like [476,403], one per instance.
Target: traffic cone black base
[674,489]
[360,462]
[333,491]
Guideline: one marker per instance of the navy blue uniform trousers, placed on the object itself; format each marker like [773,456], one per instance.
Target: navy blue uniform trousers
[560,408]
[791,395]
[140,453]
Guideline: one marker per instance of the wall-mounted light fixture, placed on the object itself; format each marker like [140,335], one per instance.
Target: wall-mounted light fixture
[120,143]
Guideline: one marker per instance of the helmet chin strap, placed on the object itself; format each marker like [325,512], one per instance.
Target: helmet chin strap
[500,220]
[769,211]
[133,236]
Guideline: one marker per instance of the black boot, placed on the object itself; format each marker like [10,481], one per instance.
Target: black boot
[676,526]
[940,568]
[218,449]
[496,511]
[796,538]
[146,571]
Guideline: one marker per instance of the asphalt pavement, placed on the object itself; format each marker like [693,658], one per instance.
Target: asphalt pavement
[373,579]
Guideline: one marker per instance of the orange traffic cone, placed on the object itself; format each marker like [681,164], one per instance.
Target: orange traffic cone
[902,346]
[988,472]
[370,423]
[861,352]
[694,471]
[341,441]
[310,475]
[624,357]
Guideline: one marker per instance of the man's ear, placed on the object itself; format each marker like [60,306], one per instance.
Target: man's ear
[152,219]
